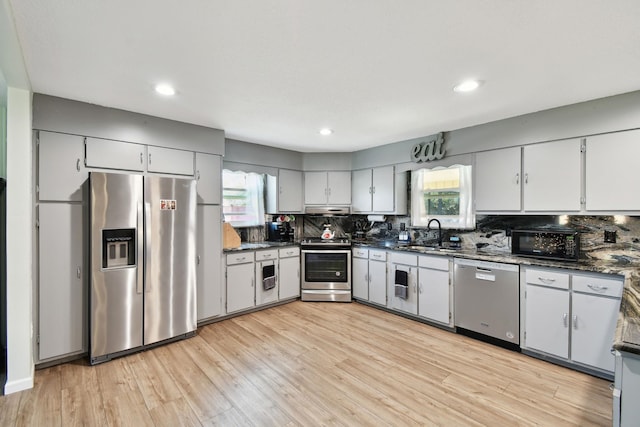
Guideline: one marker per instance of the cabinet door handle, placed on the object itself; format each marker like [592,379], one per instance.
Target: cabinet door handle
[370,190]
[198,259]
[78,165]
[78,273]
[141,158]
[280,189]
[598,288]
[575,321]
[526,178]
[198,175]
[252,282]
[546,280]
[518,178]
[564,319]
[421,287]
[149,158]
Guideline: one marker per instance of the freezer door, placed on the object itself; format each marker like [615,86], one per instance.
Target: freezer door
[116,299]
[170,307]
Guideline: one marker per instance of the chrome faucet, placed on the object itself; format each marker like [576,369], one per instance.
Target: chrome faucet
[439,230]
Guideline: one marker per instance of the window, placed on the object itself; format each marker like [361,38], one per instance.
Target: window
[243,198]
[442,193]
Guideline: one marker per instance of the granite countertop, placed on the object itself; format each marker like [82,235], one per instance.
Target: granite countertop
[624,263]
[252,246]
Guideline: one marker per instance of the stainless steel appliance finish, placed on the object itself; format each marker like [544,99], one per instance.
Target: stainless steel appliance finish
[326,270]
[328,210]
[487,299]
[143,269]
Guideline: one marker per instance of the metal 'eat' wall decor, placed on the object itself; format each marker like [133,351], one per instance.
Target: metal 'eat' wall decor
[429,150]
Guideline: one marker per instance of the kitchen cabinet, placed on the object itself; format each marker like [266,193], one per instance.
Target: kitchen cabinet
[403,282]
[434,290]
[611,176]
[61,170]
[378,277]
[209,178]
[266,280]
[626,392]
[327,188]
[572,315]
[169,161]
[62,299]
[379,190]
[241,278]
[209,261]
[498,180]
[552,176]
[360,273]
[369,275]
[107,154]
[289,191]
[289,272]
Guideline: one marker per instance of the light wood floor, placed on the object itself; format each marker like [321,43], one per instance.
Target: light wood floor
[314,364]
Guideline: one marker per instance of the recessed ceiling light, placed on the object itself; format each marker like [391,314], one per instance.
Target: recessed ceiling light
[326,131]
[165,89]
[467,86]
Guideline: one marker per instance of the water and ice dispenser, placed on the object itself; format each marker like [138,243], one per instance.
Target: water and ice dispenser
[118,247]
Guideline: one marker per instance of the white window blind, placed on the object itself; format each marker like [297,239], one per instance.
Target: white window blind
[243,198]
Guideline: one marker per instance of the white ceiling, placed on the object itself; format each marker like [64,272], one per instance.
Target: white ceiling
[274,72]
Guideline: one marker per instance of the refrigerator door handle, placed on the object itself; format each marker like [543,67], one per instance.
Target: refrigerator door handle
[147,244]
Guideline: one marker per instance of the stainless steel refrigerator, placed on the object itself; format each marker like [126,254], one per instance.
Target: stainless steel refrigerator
[143,262]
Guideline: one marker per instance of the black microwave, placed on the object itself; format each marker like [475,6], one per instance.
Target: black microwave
[558,244]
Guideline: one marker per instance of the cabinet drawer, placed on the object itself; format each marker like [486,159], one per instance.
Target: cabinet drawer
[552,279]
[240,258]
[378,255]
[608,286]
[263,255]
[434,262]
[360,253]
[403,258]
[289,252]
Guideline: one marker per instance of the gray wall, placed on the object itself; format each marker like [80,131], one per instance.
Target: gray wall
[79,118]
[614,113]
[240,152]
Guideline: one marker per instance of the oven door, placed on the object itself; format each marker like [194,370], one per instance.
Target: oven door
[326,269]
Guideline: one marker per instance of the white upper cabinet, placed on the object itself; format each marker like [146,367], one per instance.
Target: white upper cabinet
[208,176]
[61,170]
[361,200]
[552,176]
[377,190]
[289,191]
[327,188]
[611,176]
[170,161]
[498,180]
[107,154]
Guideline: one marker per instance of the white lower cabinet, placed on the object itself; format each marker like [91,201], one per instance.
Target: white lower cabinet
[289,272]
[266,280]
[572,315]
[360,273]
[626,393]
[62,298]
[369,275]
[261,277]
[403,282]
[241,278]
[434,290]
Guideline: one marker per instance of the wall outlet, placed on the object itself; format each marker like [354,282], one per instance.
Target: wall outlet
[609,236]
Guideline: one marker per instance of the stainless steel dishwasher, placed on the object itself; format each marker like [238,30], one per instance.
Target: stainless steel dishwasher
[487,300]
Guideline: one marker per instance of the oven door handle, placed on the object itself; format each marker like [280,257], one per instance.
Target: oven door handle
[326,251]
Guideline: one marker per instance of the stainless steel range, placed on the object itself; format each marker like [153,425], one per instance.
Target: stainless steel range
[326,270]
